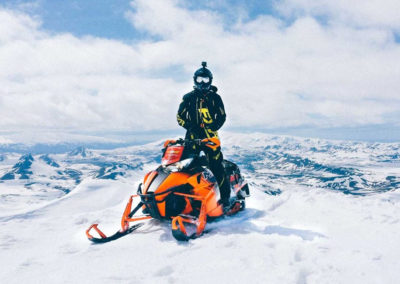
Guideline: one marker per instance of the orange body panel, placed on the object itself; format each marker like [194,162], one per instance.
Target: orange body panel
[148,179]
[146,176]
[202,190]
[174,179]
[205,189]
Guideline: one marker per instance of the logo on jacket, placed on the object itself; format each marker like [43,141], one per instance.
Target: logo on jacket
[205,114]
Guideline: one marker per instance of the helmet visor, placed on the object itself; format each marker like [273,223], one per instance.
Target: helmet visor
[200,79]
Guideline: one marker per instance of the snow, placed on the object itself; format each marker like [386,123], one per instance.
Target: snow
[300,236]
[305,234]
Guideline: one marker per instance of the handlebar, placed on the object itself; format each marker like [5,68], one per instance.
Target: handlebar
[212,143]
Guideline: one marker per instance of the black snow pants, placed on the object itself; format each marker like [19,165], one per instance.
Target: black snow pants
[215,158]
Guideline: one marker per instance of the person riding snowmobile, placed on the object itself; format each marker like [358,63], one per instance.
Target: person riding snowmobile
[202,114]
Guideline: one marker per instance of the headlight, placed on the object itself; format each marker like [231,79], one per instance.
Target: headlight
[180,165]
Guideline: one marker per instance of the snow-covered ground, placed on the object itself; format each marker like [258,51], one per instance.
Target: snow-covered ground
[301,224]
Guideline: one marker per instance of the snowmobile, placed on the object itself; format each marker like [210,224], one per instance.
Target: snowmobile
[182,189]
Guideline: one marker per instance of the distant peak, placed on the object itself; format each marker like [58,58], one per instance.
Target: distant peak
[46,158]
[79,151]
[27,157]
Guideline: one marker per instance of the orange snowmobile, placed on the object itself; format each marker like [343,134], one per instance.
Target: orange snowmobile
[182,189]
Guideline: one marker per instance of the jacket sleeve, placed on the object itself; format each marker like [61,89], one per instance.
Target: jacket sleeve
[220,115]
[183,116]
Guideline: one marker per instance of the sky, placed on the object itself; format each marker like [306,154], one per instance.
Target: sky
[123,66]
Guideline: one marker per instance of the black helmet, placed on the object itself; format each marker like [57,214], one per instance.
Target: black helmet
[203,78]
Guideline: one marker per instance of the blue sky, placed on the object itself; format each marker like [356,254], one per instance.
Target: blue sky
[104,18]
[326,68]
[100,18]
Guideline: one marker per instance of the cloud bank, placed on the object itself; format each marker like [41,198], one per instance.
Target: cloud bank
[306,64]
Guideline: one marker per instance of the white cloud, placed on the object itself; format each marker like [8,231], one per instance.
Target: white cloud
[269,73]
[362,13]
[61,81]
[17,26]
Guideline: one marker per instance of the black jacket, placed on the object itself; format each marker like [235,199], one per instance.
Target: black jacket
[202,114]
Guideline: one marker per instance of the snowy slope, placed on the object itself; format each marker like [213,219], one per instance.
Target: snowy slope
[297,228]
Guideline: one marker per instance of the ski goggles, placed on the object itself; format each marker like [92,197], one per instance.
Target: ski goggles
[200,79]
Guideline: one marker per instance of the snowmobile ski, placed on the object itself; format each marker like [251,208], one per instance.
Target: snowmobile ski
[116,236]
[125,228]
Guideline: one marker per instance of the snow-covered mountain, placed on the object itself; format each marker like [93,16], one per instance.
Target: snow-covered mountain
[350,167]
[21,170]
[320,212]
[80,152]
